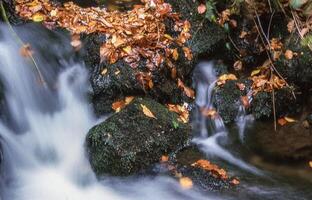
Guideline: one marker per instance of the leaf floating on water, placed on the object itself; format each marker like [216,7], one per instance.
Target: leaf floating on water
[186,183]
[209,112]
[26,51]
[147,112]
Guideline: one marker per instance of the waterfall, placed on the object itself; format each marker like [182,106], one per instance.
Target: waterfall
[212,130]
[42,136]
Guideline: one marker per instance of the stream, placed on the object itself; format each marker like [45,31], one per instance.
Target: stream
[43,129]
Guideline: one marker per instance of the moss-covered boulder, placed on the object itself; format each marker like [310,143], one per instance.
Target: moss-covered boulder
[298,69]
[130,141]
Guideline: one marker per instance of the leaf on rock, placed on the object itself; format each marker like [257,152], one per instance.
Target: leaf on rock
[187,91]
[208,166]
[118,105]
[201,9]
[147,112]
[182,111]
[225,77]
[186,183]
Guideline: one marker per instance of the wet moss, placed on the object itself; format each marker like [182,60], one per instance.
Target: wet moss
[129,141]
[227,100]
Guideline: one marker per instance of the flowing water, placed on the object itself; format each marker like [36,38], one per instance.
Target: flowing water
[43,127]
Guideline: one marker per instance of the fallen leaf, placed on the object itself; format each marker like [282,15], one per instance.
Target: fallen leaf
[187,53]
[118,105]
[241,86]
[147,112]
[182,111]
[215,169]
[255,72]
[235,181]
[26,51]
[225,77]
[104,71]
[281,121]
[209,112]
[238,65]
[164,158]
[186,183]
[245,101]
[187,91]
[201,9]
[175,54]
[291,26]
[38,17]
[289,54]
[310,164]
[290,120]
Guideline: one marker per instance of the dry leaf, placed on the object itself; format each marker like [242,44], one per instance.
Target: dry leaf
[225,77]
[187,91]
[201,9]
[235,181]
[186,183]
[245,101]
[182,111]
[147,112]
[104,71]
[255,72]
[289,54]
[216,170]
[241,86]
[290,120]
[238,65]
[26,51]
[310,164]
[281,121]
[209,112]
[291,26]
[175,54]
[118,105]
[164,158]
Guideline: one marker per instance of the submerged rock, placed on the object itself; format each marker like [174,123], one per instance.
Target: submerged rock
[129,141]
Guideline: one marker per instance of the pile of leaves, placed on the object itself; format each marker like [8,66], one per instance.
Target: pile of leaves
[132,35]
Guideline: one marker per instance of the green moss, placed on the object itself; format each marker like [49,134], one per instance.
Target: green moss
[226,100]
[129,141]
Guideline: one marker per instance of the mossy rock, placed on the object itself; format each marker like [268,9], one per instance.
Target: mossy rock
[206,36]
[297,70]
[226,99]
[129,141]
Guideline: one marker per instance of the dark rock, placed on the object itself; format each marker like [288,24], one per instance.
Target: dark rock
[297,70]
[206,37]
[226,99]
[129,141]
[201,178]
[292,141]
[9,7]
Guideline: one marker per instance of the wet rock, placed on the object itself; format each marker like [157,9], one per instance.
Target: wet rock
[129,141]
[9,6]
[206,37]
[292,141]
[297,70]
[227,100]
[201,178]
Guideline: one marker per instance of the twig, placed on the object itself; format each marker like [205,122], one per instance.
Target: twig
[5,17]
[269,28]
[273,99]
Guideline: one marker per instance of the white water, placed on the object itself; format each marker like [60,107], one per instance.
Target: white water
[213,131]
[43,138]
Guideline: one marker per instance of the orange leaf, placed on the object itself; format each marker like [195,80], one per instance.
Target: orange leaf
[281,121]
[201,9]
[26,51]
[289,54]
[235,181]
[310,164]
[164,158]
[186,182]
[187,91]
[147,112]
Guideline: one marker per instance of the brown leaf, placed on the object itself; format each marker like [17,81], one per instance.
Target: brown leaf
[235,181]
[225,77]
[26,51]
[175,54]
[241,86]
[281,121]
[201,9]
[238,65]
[187,53]
[289,54]
[182,111]
[216,170]
[187,91]
[186,183]
[164,158]
[147,112]
[310,164]
[245,101]
[209,112]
